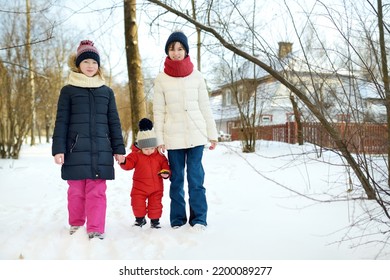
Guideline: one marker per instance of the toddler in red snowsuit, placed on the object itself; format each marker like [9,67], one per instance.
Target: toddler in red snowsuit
[150,168]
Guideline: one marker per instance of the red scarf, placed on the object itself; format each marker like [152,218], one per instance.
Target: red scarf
[178,68]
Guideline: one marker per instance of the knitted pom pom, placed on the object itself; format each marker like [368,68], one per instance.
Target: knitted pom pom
[86,42]
[145,124]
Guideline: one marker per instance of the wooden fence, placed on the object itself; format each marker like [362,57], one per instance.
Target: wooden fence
[360,138]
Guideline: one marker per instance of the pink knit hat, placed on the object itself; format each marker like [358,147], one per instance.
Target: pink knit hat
[87,50]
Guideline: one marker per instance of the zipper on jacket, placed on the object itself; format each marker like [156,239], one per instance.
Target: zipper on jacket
[93,135]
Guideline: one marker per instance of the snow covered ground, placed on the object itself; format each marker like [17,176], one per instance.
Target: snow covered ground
[252,213]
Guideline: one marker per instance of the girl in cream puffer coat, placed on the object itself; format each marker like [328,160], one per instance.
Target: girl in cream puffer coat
[182,111]
[184,125]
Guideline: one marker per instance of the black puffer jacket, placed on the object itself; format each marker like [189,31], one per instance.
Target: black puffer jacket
[88,132]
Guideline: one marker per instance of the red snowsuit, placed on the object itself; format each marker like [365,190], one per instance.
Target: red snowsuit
[147,191]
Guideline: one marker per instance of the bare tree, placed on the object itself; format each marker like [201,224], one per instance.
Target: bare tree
[31,71]
[50,78]
[123,103]
[198,36]
[23,29]
[324,79]
[137,96]
[334,134]
[16,102]
[384,69]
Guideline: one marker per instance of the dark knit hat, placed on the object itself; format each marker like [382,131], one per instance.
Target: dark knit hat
[87,50]
[177,36]
[146,137]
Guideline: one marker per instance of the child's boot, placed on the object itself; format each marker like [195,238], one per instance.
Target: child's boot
[155,223]
[140,221]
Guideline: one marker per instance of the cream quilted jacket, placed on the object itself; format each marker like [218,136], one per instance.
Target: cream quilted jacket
[182,113]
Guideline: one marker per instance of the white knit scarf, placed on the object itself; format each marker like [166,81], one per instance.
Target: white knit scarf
[81,80]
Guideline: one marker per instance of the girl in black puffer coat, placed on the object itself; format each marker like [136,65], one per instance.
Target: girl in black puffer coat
[87,135]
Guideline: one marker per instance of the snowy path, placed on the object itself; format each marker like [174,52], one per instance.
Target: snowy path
[249,217]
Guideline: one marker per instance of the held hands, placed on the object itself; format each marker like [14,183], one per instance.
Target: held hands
[164,173]
[161,149]
[120,158]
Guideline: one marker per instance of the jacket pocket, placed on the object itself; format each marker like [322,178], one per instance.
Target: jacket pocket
[72,140]
[109,142]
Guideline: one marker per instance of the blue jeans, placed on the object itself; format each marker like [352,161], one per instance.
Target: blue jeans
[196,192]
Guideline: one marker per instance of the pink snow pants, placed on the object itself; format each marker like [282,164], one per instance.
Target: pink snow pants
[87,203]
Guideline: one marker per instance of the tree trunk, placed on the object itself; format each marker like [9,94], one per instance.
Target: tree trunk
[198,38]
[30,71]
[297,117]
[386,78]
[136,83]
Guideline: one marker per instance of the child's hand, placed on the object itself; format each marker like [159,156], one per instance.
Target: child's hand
[164,173]
[120,158]
[213,144]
